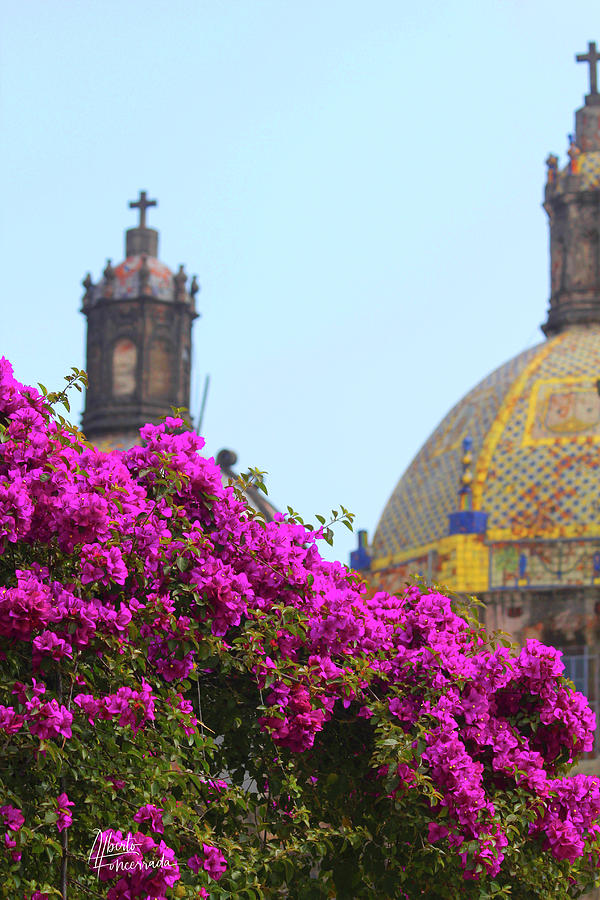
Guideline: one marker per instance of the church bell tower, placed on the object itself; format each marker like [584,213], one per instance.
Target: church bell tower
[572,201]
[139,339]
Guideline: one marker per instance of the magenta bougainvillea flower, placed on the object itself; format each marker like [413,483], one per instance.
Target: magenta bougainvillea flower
[64,815]
[152,814]
[12,817]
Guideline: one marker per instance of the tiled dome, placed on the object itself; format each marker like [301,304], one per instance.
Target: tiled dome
[535,428]
[126,281]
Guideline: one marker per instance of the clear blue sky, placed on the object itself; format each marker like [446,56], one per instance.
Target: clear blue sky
[357,186]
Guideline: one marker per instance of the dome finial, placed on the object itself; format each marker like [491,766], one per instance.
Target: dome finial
[142,204]
[465,496]
[466,520]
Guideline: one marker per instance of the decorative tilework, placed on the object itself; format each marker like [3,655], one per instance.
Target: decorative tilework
[417,512]
[589,172]
[460,561]
[544,564]
[531,485]
[127,280]
[561,409]
[504,415]
[545,488]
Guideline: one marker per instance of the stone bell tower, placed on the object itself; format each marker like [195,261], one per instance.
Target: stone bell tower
[139,339]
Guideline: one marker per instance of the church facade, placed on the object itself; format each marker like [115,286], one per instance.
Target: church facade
[503,500]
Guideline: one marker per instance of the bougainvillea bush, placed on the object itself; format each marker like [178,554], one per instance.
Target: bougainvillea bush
[193,703]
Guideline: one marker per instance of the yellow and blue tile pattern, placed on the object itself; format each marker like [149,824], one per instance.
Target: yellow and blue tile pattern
[589,172]
[417,512]
[535,425]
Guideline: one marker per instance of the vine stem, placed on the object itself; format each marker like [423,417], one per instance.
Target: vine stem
[64,837]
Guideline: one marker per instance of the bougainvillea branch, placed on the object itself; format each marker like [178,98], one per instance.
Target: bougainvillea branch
[206,707]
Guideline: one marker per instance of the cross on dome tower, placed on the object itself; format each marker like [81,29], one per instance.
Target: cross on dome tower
[142,204]
[591,57]
[141,239]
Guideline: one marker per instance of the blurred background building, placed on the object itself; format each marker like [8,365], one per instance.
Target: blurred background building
[503,499]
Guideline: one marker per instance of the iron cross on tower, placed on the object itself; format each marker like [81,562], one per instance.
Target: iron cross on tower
[592,58]
[142,204]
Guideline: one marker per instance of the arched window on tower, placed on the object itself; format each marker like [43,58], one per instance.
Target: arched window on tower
[124,363]
[161,370]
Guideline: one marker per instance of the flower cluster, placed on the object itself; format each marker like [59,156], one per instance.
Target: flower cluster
[12,820]
[127,706]
[45,720]
[64,817]
[212,861]
[146,551]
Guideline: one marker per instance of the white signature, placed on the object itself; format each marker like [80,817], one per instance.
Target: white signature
[104,849]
